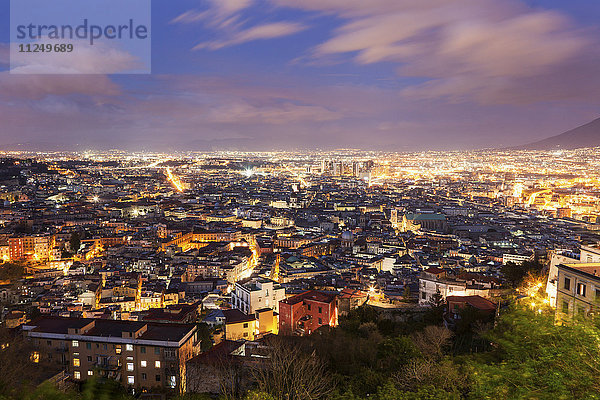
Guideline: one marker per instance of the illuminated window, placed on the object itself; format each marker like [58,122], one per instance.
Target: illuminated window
[143,363]
[76,362]
[77,375]
[90,372]
[172,381]
[157,364]
[129,366]
[129,347]
[130,380]
[581,288]
[75,343]
[35,357]
[118,349]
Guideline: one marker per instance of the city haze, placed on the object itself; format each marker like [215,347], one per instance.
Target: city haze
[283,75]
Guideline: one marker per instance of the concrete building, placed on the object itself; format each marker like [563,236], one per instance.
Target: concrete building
[423,221]
[141,355]
[240,326]
[306,312]
[588,254]
[516,258]
[578,290]
[436,280]
[255,294]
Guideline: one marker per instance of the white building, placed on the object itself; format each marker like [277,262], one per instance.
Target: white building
[516,258]
[434,280]
[589,254]
[256,294]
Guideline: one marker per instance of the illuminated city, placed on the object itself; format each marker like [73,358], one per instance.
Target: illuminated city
[152,241]
[299,200]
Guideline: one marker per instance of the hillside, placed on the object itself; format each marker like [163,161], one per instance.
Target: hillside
[587,135]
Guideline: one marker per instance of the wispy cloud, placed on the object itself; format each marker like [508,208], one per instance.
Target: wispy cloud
[259,32]
[189,17]
[481,50]
[216,12]
[225,17]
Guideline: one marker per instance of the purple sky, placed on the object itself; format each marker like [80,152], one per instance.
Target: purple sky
[283,74]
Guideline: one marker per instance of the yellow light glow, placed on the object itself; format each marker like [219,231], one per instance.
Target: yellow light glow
[174,180]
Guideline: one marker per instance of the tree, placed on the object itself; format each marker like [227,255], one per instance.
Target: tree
[426,392]
[406,294]
[11,271]
[438,307]
[75,242]
[290,374]
[432,340]
[535,358]
[204,334]
[394,353]
[514,273]
[21,368]
[258,396]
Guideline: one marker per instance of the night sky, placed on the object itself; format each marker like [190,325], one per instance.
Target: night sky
[305,74]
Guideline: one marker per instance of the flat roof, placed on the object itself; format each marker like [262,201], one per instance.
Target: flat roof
[104,328]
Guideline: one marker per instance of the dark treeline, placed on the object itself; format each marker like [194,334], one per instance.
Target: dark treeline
[372,356]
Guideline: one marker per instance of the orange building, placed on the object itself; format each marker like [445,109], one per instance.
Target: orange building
[306,312]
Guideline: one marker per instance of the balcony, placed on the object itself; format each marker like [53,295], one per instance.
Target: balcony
[109,363]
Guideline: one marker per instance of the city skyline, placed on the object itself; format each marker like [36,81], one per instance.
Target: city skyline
[299,199]
[280,75]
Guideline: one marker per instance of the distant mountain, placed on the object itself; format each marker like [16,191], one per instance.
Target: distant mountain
[587,135]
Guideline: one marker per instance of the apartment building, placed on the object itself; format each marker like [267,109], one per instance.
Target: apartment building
[240,326]
[438,280]
[306,312]
[587,254]
[36,247]
[578,290]
[142,355]
[254,294]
